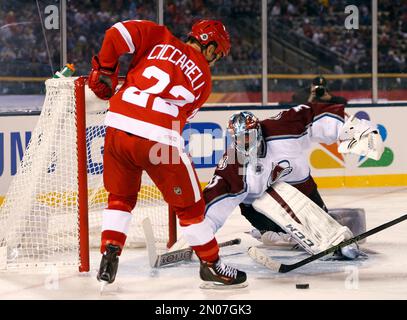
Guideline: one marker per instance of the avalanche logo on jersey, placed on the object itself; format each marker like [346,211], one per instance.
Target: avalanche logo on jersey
[279,170]
[328,157]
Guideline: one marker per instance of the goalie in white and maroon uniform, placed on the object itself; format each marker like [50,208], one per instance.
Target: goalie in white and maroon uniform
[266,173]
[166,84]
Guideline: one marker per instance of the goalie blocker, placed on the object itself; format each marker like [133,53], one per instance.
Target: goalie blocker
[311,227]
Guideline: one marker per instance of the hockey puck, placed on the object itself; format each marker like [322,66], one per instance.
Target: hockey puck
[302,286]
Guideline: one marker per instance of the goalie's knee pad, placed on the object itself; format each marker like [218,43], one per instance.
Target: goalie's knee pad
[258,220]
[122,203]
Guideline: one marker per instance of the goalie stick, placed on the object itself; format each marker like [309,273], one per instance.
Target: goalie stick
[185,254]
[268,262]
[158,260]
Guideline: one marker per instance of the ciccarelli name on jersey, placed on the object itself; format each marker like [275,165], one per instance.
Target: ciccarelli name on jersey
[167,52]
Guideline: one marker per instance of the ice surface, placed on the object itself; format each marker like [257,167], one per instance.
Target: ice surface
[382,276]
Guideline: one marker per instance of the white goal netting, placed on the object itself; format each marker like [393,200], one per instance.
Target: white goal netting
[39,216]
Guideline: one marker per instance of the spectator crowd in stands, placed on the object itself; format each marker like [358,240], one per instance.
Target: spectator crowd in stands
[322,22]
[23,51]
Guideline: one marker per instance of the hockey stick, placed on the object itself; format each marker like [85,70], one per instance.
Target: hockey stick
[185,254]
[268,262]
[158,260]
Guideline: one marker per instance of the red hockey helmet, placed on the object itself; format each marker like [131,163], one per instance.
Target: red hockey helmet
[207,31]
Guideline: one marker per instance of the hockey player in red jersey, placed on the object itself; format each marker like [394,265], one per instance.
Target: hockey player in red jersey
[263,153]
[166,84]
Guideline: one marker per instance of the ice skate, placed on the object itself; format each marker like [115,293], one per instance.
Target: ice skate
[217,275]
[108,266]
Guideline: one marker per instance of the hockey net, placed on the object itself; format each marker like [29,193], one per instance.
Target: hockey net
[52,213]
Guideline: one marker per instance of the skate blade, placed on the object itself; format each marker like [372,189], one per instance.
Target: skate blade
[103,284]
[221,286]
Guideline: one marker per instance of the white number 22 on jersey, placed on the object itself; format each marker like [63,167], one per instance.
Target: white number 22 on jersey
[139,97]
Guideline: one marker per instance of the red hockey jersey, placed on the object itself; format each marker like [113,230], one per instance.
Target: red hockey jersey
[166,84]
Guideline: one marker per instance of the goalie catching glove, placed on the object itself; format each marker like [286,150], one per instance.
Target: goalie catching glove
[103,81]
[361,137]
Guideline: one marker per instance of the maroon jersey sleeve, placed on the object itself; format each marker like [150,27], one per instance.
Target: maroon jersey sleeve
[295,122]
[227,181]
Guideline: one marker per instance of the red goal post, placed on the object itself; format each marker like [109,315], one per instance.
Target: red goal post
[58,180]
[80,84]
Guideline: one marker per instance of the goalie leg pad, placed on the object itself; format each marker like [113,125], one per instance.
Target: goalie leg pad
[308,224]
[258,220]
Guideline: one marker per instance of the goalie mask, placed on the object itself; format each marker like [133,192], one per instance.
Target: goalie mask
[245,130]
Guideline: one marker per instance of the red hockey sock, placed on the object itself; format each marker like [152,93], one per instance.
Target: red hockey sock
[112,237]
[208,251]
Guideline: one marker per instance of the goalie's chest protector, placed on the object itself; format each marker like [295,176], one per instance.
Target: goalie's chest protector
[257,176]
[286,154]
